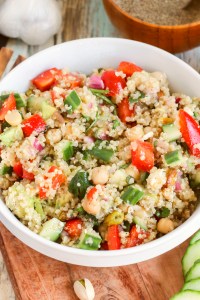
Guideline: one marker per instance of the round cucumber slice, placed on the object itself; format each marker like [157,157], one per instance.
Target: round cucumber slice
[195,237]
[192,254]
[194,272]
[193,285]
[187,295]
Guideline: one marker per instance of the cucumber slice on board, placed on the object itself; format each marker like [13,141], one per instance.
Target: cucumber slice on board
[194,272]
[195,238]
[191,255]
[187,295]
[193,285]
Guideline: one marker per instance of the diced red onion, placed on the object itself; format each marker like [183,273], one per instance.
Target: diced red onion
[178,182]
[96,82]
[177,99]
[103,137]
[90,105]
[88,140]
[37,145]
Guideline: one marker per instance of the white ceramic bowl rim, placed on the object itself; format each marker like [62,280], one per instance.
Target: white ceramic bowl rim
[167,242]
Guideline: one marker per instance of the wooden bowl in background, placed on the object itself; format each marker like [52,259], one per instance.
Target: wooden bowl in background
[171,38]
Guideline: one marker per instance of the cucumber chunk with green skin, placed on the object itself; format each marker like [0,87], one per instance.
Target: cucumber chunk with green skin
[172,133]
[40,104]
[187,295]
[73,101]
[38,208]
[68,150]
[193,285]
[132,195]
[11,135]
[89,241]
[6,170]
[191,255]
[20,102]
[140,222]
[52,229]
[47,110]
[195,238]
[194,272]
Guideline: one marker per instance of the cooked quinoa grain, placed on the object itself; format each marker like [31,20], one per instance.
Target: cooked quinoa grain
[104,161]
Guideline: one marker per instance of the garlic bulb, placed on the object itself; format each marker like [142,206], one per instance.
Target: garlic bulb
[34,21]
[84,290]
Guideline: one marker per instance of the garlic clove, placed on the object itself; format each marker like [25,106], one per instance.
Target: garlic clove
[84,290]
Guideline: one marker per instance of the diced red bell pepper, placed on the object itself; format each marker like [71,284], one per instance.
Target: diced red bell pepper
[57,181]
[113,83]
[34,123]
[9,104]
[74,227]
[128,68]
[17,168]
[91,193]
[45,80]
[133,239]
[28,175]
[113,237]
[104,246]
[190,131]
[142,155]
[124,111]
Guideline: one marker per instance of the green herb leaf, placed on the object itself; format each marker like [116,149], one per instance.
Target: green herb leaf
[93,123]
[79,184]
[116,123]
[163,212]
[98,91]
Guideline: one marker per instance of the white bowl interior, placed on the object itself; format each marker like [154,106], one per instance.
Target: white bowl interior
[84,56]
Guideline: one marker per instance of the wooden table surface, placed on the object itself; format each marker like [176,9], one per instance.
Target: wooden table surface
[81,19]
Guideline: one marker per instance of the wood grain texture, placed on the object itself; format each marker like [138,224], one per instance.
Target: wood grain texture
[35,276]
[174,39]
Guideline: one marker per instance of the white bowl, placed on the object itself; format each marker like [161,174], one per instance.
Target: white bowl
[84,56]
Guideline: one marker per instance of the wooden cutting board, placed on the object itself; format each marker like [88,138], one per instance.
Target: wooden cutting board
[38,277]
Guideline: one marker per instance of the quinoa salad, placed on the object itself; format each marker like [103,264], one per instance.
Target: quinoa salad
[104,161]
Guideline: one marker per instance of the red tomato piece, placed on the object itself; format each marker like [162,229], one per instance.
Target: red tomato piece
[113,237]
[9,104]
[133,239]
[45,80]
[190,131]
[124,111]
[128,68]
[91,193]
[27,175]
[17,168]
[34,123]
[74,227]
[113,83]
[142,155]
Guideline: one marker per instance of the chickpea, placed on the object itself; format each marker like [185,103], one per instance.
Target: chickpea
[165,225]
[134,133]
[13,117]
[100,175]
[91,206]
[53,136]
[133,171]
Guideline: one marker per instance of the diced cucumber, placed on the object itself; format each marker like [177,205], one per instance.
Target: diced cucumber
[194,272]
[102,153]
[6,170]
[195,238]
[68,150]
[52,229]
[191,255]
[187,295]
[73,101]
[11,135]
[89,241]
[140,222]
[193,285]
[173,158]
[40,104]
[47,110]
[38,208]
[132,194]
[172,133]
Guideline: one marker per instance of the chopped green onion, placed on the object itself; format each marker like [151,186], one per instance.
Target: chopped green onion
[125,166]
[134,100]
[93,123]
[98,91]
[101,153]
[129,178]
[73,101]
[105,99]
[143,176]
[116,123]
[132,195]
[173,157]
